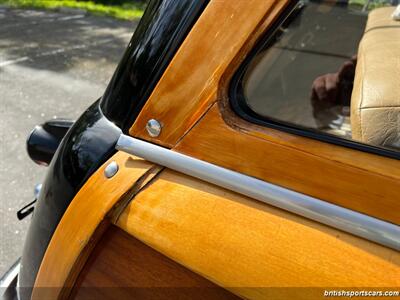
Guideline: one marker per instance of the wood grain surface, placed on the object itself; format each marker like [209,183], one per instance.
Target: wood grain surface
[189,85]
[191,101]
[360,181]
[121,267]
[252,249]
[88,212]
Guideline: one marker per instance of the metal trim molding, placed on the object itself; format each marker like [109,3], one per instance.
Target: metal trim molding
[370,228]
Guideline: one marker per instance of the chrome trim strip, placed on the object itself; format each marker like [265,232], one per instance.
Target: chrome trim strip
[361,225]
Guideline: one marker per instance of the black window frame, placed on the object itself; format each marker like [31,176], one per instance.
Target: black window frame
[239,106]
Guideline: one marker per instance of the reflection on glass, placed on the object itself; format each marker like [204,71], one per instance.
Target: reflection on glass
[324,67]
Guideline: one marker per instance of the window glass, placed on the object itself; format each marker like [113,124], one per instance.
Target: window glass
[332,67]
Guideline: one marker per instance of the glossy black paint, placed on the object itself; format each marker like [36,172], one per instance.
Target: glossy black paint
[161,30]
[91,140]
[87,145]
[44,140]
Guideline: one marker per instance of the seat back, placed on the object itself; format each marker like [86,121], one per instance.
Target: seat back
[375,102]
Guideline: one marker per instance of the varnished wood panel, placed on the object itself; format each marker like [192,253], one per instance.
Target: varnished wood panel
[254,250]
[189,85]
[335,174]
[122,267]
[89,211]
[185,102]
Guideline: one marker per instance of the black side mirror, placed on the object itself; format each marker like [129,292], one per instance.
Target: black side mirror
[44,140]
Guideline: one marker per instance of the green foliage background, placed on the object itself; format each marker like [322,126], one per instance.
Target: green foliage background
[121,9]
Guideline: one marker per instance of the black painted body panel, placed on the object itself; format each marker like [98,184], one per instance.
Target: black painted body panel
[44,140]
[87,145]
[91,140]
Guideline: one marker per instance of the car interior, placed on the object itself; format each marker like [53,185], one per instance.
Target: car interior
[332,66]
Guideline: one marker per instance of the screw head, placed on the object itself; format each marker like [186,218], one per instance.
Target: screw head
[111,169]
[153,128]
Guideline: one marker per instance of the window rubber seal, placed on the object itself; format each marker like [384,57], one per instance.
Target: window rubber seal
[237,100]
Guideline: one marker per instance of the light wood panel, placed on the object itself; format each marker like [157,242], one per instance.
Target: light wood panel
[189,85]
[121,267]
[250,248]
[84,222]
[334,174]
[198,78]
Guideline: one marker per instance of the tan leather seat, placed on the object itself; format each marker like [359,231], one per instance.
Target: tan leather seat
[375,101]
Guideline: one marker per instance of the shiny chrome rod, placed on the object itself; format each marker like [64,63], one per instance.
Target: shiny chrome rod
[361,225]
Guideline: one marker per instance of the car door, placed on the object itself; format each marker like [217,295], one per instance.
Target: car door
[261,203]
